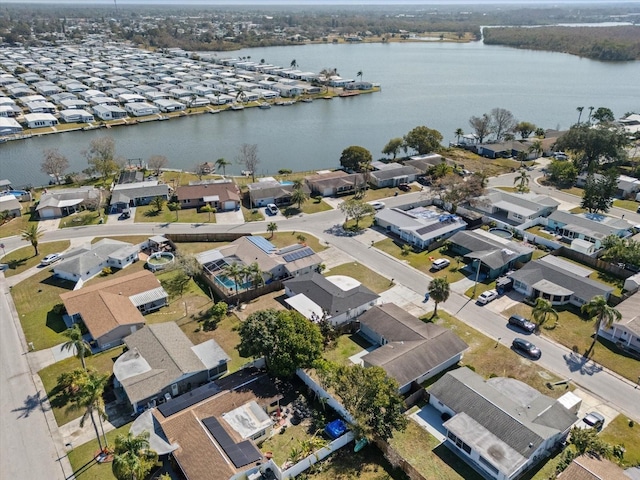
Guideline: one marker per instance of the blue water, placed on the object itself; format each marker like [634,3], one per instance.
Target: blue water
[230,284]
[286,182]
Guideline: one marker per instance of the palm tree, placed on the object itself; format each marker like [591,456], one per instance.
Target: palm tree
[439,291]
[222,163]
[590,112]
[174,207]
[542,310]
[77,343]
[32,234]
[458,133]
[254,272]
[579,109]
[157,203]
[536,147]
[271,228]
[522,180]
[89,400]
[133,458]
[208,209]
[234,271]
[359,74]
[604,314]
[299,196]
[522,157]
[293,63]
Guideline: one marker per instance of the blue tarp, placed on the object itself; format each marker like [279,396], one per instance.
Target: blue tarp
[335,429]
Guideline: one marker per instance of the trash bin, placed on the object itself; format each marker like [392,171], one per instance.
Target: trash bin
[426,297]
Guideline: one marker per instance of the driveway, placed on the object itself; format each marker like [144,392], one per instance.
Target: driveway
[230,218]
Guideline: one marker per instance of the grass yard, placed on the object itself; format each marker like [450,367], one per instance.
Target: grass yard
[425,453]
[367,464]
[282,443]
[102,362]
[575,332]
[508,189]
[626,204]
[363,223]
[23,258]
[189,304]
[577,210]
[346,346]
[537,253]
[422,260]
[537,230]
[174,178]
[88,217]
[16,225]
[481,287]
[287,238]
[252,214]
[310,206]
[148,213]
[619,432]
[370,279]
[34,298]
[193,248]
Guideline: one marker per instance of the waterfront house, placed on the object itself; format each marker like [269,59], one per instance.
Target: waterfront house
[558,281]
[338,182]
[62,202]
[496,255]
[408,349]
[501,426]
[72,103]
[9,126]
[424,163]
[269,190]
[76,116]
[109,112]
[592,227]
[136,194]
[627,186]
[223,195]
[39,120]
[168,105]
[337,299]
[495,150]
[626,331]
[9,203]
[113,309]
[515,208]
[41,107]
[140,109]
[392,174]
[161,363]
[419,226]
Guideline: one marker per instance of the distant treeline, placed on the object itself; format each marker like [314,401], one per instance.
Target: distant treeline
[609,44]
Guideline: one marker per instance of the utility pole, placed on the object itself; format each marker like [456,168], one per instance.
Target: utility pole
[477,275]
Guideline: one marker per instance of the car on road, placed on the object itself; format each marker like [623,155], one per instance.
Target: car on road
[522,323]
[439,264]
[51,258]
[526,348]
[592,420]
[488,296]
[377,205]
[272,209]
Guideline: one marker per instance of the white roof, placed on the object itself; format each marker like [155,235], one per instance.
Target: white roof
[305,306]
[248,419]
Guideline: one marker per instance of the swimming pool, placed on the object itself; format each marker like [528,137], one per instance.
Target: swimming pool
[19,194]
[501,232]
[230,284]
[286,182]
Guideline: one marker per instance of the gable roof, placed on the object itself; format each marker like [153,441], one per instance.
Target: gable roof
[494,252]
[591,467]
[331,298]
[138,190]
[338,178]
[67,197]
[84,259]
[525,204]
[502,418]
[414,347]
[225,191]
[590,224]
[630,311]
[104,307]
[421,222]
[400,171]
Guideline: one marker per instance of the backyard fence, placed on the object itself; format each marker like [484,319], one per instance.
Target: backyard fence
[204,237]
[398,461]
[315,457]
[593,262]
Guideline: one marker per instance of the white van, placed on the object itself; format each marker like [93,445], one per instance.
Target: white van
[439,264]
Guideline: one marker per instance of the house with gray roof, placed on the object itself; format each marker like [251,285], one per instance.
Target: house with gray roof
[419,226]
[9,203]
[392,174]
[338,182]
[409,350]
[424,163]
[162,363]
[62,202]
[496,255]
[627,186]
[500,426]
[626,331]
[592,227]
[558,281]
[269,190]
[81,264]
[127,195]
[337,299]
[515,208]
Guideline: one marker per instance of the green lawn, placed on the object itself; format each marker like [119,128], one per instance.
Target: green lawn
[102,362]
[189,304]
[537,230]
[34,298]
[252,214]
[81,219]
[134,239]
[370,279]
[620,432]
[310,206]
[282,444]
[23,258]
[367,464]
[481,287]
[626,204]
[575,332]
[16,225]
[345,347]
[148,213]
[193,248]
[508,189]
[287,238]
[183,178]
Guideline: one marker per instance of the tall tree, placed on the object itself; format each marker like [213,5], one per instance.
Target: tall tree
[293,63]
[174,207]
[502,121]
[393,146]
[89,400]
[598,193]
[579,109]
[101,156]
[525,129]
[562,173]
[158,203]
[522,181]
[77,343]
[222,163]
[542,311]
[481,126]
[354,156]
[458,133]
[592,146]
[370,396]
[605,315]
[359,74]
[423,140]
[356,209]
[286,340]
[208,209]
[271,228]
[54,164]
[157,163]
[248,158]
[439,291]
[299,196]
[32,235]
[133,457]
[536,147]
[603,115]
[590,112]
[233,271]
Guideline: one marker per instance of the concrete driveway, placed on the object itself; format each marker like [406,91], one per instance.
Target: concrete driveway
[230,218]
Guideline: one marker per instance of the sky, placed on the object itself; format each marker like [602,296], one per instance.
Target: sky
[327,2]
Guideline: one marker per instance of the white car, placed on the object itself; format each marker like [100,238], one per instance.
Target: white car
[377,205]
[51,258]
[488,296]
[272,209]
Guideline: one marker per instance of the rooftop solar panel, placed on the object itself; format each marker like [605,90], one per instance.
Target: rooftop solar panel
[178,404]
[262,243]
[241,454]
[298,254]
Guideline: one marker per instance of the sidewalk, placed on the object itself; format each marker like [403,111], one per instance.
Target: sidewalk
[43,358]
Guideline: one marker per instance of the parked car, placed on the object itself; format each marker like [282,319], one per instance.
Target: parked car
[522,323]
[592,420]
[488,296]
[272,209]
[4,267]
[405,187]
[439,264]
[124,215]
[377,205]
[526,348]
[51,258]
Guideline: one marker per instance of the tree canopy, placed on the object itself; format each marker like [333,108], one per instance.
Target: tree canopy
[393,146]
[353,157]
[54,163]
[598,192]
[592,146]
[423,140]
[356,209]
[101,156]
[286,340]
[481,126]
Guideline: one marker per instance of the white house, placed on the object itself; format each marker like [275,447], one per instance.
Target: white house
[38,120]
[9,126]
[109,112]
[140,109]
[516,207]
[626,331]
[76,116]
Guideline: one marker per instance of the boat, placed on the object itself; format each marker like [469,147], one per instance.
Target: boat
[349,94]
[237,106]
[289,102]
[307,100]
[264,105]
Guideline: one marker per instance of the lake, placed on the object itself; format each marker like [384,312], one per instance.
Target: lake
[440,85]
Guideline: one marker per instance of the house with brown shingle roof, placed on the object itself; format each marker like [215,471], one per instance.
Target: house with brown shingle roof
[113,309]
[626,332]
[591,467]
[223,195]
[338,182]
